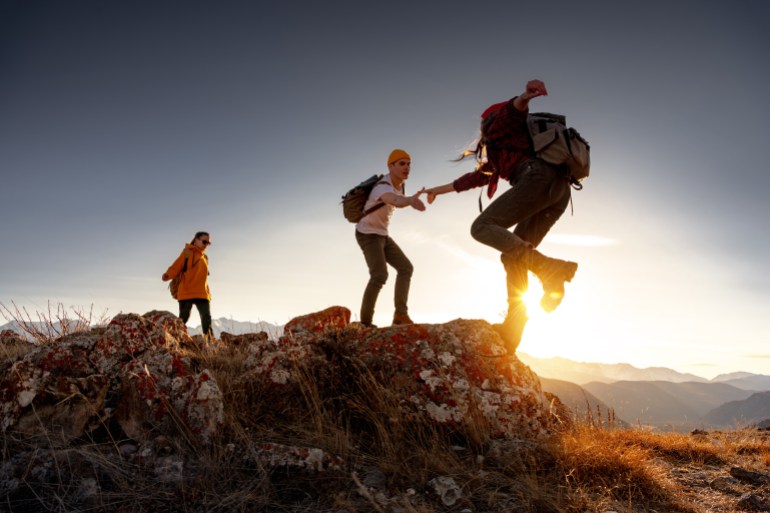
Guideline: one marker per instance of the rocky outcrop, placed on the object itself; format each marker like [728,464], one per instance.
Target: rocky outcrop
[449,374]
[160,399]
[133,371]
[136,372]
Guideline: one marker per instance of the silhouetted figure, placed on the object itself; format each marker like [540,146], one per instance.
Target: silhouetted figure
[539,194]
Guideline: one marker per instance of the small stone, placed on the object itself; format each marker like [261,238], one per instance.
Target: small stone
[753,502]
[127,450]
[375,479]
[749,476]
[447,489]
[723,484]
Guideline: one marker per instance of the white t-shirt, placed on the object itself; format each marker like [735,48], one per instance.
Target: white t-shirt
[377,222]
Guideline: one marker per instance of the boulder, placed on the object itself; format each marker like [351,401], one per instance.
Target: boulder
[134,366]
[453,374]
[332,318]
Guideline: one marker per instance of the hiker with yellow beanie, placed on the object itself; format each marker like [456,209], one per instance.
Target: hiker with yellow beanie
[378,248]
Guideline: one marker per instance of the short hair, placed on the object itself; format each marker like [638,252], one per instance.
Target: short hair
[198,235]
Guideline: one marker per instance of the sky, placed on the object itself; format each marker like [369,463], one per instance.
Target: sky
[127,126]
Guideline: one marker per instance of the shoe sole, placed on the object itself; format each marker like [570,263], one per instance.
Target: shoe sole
[571,269]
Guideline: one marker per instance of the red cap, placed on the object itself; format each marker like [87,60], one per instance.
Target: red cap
[491,109]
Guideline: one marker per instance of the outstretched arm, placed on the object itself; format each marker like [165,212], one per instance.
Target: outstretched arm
[399,201]
[535,88]
[441,189]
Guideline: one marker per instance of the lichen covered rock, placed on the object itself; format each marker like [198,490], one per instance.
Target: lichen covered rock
[134,366]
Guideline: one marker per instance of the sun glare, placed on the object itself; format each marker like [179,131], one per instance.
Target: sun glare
[557,333]
[532,299]
[562,332]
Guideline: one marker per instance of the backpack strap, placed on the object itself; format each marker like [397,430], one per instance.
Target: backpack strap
[374,208]
[186,254]
[381,203]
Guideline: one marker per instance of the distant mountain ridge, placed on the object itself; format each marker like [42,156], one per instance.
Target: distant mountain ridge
[586,372]
[747,381]
[44,329]
[218,326]
[234,327]
[583,403]
[656,397]
[664,405]
[680,406]
[753,410]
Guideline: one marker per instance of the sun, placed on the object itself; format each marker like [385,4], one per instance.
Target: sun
[561,332]
[532,298]
[476,289]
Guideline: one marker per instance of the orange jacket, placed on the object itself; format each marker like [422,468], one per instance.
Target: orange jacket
[194,283]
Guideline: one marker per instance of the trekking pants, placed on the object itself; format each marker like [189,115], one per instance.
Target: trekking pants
[204,310]
[539,195]
[379,251]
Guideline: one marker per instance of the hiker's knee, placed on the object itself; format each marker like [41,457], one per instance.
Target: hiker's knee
[479,229]
[406,269]
[378,277]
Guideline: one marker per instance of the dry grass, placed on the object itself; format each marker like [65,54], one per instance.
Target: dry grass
[657,471]
[344,409]
[604,468]
[53,323]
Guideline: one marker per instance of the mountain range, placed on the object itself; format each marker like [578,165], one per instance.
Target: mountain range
[757,406]
[234,327]
[657,397]
[582,373]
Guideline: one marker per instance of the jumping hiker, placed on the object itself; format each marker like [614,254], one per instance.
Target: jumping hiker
[539,194]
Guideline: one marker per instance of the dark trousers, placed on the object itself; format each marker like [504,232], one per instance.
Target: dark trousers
[379,252]
[538,196]
[204,310]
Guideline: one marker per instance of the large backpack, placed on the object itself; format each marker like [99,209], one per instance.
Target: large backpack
[354,200]
[556,143]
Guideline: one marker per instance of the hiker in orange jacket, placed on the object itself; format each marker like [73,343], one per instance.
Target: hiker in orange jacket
[194,287]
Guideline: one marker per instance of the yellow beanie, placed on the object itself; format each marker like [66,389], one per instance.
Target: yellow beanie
[396,155]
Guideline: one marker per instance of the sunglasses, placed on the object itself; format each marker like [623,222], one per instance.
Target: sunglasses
[205,242]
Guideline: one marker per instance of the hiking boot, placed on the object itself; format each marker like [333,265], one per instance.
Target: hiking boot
[401,319]
[511,331]
[553,273]
[516,275]
[509,261]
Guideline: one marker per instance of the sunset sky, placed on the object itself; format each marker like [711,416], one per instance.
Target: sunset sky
[127,126]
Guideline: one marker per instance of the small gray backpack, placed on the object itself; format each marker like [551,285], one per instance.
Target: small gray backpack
[556,143]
